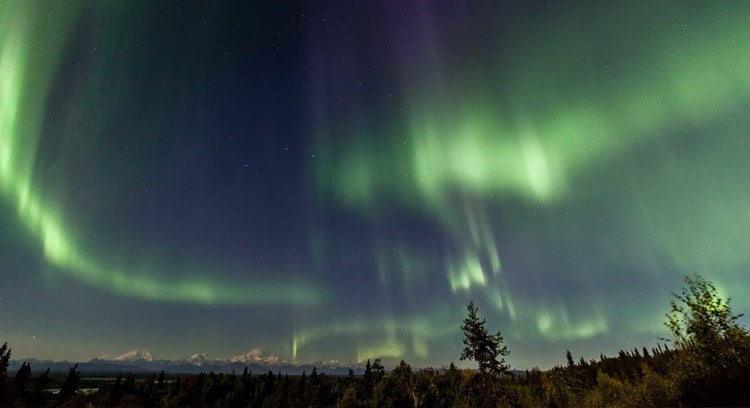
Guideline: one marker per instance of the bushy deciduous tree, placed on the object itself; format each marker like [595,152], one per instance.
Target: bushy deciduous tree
[703,323]
[712,348]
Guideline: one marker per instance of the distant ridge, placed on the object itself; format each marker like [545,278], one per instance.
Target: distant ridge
[136,361]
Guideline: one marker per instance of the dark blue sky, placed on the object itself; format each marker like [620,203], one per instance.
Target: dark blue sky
[336,181]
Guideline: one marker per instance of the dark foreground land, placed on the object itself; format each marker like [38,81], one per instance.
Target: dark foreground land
[635,378]
[708,365]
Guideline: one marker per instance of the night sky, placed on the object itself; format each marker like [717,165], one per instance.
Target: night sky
[336,180]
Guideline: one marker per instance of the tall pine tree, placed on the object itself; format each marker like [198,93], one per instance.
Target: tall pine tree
[4,361]
[481,346]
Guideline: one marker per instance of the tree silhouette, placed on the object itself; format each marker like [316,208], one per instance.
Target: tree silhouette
[368,381]
[6,388]
[4,360]
[481,346]
[21,381]
[378,371]
[41,384]
[70,386]
[712,348]
[702,323]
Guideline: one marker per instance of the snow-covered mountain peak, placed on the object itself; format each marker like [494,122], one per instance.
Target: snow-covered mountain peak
[135,355]
[256,355]
[198,359]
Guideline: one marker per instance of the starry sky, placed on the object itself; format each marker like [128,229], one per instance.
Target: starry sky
[336,180]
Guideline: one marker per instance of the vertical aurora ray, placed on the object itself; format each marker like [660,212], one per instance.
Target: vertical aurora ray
[465,134]
[32,38]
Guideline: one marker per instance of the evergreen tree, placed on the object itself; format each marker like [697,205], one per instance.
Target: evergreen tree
[302,384]
[129,383]
[41,384]
[4,361]
[378,371]
[481,346]
[394,390]
[116,392]
[369,381]
[569,357]
[21,381]
[70,386]
[6,388]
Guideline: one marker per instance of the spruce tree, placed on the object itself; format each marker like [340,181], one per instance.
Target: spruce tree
[22,379]
[369,381]
[4,360]
[70,386]
[481,346]
[41,384]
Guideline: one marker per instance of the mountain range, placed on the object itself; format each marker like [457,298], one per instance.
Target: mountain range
[136,361]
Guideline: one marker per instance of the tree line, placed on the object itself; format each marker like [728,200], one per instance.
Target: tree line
[708,363]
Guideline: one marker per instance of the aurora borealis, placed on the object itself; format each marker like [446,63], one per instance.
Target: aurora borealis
[336,181]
